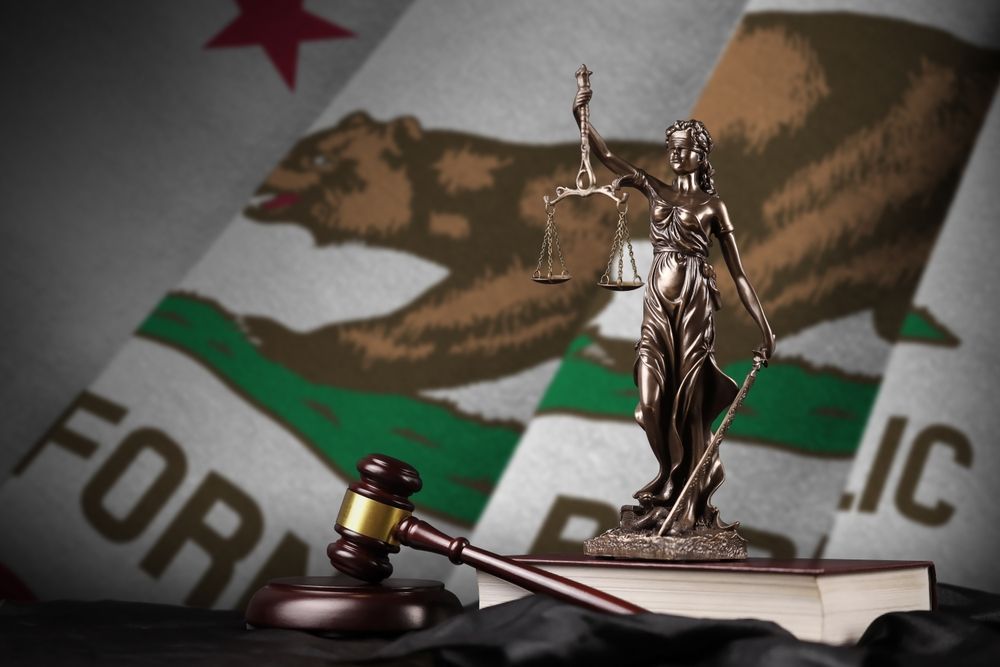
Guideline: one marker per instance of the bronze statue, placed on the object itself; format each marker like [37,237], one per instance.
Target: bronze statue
[681,389]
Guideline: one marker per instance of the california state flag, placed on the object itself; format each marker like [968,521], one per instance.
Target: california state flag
[373,296]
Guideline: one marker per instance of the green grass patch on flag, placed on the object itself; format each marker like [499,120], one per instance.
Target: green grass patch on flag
[459,459]
[814,412]
[919,326]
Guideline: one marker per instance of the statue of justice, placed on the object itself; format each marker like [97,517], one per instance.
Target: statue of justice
[681,388]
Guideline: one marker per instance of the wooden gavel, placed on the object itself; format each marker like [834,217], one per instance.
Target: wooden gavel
[376,518]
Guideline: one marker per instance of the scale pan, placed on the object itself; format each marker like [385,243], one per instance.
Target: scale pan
[621,286]
[552,280]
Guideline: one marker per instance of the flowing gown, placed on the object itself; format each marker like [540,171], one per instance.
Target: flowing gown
[676,348]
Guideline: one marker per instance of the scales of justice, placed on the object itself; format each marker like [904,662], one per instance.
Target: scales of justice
[681,389]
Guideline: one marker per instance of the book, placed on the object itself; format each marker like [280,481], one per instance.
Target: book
[826,600]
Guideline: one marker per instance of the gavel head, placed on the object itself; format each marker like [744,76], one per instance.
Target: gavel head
[372,509]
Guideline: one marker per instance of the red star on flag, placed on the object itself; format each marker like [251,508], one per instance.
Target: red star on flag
[277,26]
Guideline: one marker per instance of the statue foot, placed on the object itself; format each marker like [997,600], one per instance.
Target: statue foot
[653,493]
[645,498]
[653,500]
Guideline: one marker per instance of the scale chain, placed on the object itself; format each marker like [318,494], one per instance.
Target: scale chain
[562,262]
[550,240]
[620,239]
[548,236]
[628,239]
[621,245]
[621,260]
[615,243]
[631,256]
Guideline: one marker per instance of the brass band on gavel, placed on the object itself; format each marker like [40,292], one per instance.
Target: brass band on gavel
[370,518]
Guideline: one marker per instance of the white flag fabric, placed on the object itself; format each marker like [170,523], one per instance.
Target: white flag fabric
[923,478]
[128,144]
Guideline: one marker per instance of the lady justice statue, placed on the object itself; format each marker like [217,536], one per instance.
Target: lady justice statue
[681,389]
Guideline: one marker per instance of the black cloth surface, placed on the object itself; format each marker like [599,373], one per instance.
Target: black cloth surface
[964,630]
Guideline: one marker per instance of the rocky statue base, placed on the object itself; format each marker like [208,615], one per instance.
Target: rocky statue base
[628,541]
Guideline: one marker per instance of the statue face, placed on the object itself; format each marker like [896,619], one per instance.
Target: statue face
[683,160]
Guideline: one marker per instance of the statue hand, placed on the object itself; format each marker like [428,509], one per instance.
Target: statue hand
[582,98]
[766,347]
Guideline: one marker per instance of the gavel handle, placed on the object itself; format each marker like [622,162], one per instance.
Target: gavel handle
[420,535]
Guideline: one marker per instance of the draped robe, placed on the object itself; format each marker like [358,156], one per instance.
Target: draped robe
[676,348]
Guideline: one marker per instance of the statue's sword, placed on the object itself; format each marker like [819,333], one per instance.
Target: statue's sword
[706,459]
